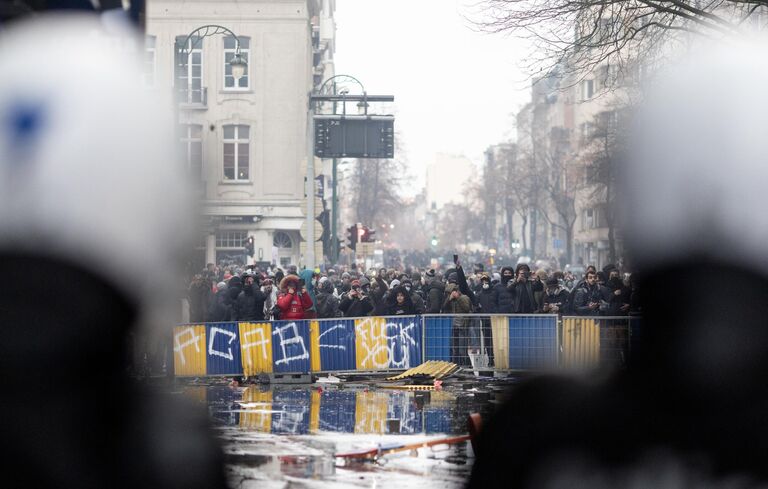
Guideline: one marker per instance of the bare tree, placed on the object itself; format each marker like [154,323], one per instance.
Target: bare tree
[559,180]
[584,34]
[604,150]
[458,225]
[376,188]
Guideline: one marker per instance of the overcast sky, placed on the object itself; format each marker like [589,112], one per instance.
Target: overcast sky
[456,90]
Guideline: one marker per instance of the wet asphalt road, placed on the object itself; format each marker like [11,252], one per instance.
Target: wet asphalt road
[287,435]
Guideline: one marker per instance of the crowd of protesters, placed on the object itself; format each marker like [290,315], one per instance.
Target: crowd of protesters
[250,294]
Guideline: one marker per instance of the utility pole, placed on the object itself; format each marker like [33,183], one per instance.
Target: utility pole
[309,257]
[334,214]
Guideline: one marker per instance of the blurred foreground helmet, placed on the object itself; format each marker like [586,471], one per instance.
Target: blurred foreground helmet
[87,168]
[90,198]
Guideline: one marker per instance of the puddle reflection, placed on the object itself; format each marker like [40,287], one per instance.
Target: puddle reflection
[291,410]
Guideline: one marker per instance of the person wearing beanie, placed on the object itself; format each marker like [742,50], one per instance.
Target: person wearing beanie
[355,303]
[250,302]
[218,309]
[434,292]
[458,303]
[487,296]
[505,301]
[327,302]
[555,297]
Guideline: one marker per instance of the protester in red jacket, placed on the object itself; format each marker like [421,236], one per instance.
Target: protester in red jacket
[293,301]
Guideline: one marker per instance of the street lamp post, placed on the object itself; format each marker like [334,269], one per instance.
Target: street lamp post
[331,86]
[238,63]
[343,96]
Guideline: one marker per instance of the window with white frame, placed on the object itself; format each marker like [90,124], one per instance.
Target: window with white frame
[189,70]
[192,148]
[230,47]
[236,150]
[587,89]
[231,239]
[148,67]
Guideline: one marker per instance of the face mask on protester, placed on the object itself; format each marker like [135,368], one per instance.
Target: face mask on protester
[408,288]
[486,285]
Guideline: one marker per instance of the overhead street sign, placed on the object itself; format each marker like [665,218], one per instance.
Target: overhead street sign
[339,136]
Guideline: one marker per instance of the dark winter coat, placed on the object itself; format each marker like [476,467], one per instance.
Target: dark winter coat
[250,304]
[504,294]
[327,305]
[220,308]
[418,303]
[613,300]
[488,300]
[435,294]
[405,309]
[355,307]
[584,295]
[559,298]
[523,299]
[198,294]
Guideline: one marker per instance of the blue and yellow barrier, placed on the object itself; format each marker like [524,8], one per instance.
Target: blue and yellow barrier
[246,348]
[512,342]
[597,341]
[517,342]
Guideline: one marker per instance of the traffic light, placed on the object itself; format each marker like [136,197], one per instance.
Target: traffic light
[366,236]
[352,236]
[249,246]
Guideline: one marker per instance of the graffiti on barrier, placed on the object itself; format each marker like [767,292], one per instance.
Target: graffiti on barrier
[336,337]
[212,337]
[290,339]
[385,343]
[179,347]
[261,341]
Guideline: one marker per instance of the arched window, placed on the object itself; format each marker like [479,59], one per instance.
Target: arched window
[282,240]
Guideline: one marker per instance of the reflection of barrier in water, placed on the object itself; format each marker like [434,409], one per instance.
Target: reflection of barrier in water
[303,411]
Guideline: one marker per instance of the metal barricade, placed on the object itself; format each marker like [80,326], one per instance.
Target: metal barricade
[597,341]
[504,342]
[318,345]
[380,343]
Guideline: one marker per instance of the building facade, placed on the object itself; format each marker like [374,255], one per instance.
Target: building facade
[244,141]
